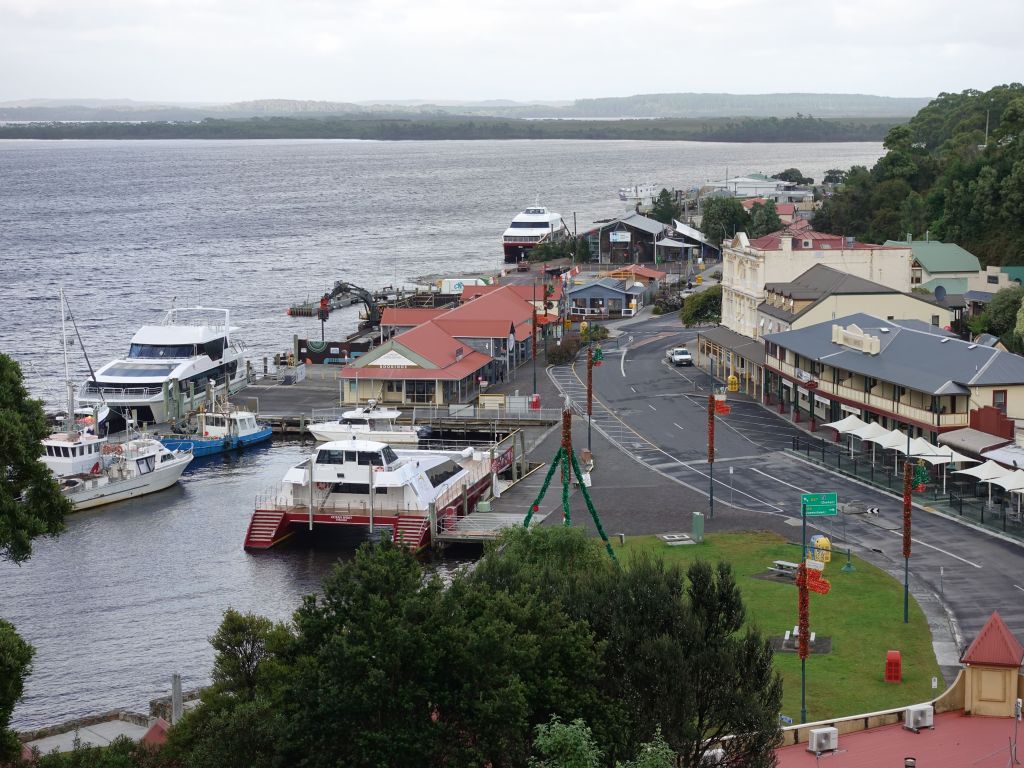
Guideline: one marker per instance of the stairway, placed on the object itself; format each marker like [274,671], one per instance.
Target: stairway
[265,529]
[412,532]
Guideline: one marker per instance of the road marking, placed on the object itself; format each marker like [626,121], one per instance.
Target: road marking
[622,362]
[634,389]
[937,549]
[755,469]
[1018,587]
[676,425]
[651,407]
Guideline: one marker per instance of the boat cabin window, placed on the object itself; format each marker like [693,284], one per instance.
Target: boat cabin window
[214,421]
[370,457]
[330,456]
[390,457]
[163,350]
[357,422]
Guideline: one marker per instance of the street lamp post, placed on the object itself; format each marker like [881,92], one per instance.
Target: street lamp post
[590,388]
[906,539]
[533,336]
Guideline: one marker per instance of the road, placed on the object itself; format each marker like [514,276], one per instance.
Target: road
[658,414]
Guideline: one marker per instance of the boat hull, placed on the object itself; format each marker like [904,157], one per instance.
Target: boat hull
[206,446]
[120,490]
[327,432]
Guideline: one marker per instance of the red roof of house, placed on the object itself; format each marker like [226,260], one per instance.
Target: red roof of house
[783,209]
[799,225]
[475,329]
[408,315]
[454,360]
[995,646]
[525,291]
[642,271]
[957,741]
[819,241]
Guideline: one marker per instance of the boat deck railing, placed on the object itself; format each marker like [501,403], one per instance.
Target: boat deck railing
[112,393]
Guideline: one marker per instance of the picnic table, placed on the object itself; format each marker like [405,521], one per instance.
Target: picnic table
[784,566]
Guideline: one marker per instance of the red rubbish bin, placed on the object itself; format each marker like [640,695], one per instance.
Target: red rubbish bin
[535,402]
[893,667]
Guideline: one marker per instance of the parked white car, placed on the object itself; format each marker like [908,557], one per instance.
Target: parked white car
[680,356]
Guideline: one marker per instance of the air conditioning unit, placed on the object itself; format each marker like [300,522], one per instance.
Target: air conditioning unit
[919,716]
[714,756]
[823,740]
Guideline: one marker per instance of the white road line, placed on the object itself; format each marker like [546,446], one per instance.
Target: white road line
[1019,587]
[676,425]
[755,469]
[651,407]
[622,362]
[937,549]
[634,389]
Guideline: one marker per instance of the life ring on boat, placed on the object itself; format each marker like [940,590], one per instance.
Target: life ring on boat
[95,469]
[322,486]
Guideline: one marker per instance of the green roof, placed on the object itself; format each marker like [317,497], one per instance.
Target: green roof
[938,257]
[951,284]
[1015,273]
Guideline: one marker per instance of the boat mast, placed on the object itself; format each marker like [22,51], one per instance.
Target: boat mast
[67,374]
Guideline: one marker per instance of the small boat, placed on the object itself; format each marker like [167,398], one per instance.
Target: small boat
[219,431]
[638,192]
[368,484]
[369,423]
[123,471]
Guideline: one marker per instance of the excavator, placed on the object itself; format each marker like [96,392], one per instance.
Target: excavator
[341,288]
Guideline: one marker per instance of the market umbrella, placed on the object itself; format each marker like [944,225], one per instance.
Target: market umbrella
[872,430]
[845,425]
[986,473]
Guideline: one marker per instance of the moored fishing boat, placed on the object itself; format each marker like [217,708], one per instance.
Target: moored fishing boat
[218,431]
[369,422]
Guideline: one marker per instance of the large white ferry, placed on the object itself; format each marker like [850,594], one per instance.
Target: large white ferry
[169,366]
[530,228]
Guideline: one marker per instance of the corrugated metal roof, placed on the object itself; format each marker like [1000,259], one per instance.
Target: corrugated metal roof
[912,354]
[643,223]
[744,346]
[971,440]
[821,280]
[995,646]
[939,257]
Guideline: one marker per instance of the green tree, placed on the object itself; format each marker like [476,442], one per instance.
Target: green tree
[1001,312]
[31,505]
[565,745]
[241,643]
[703,307]
[764,219]
[794,175]
[15,666]
[834,176]
[722,218]
[665,208]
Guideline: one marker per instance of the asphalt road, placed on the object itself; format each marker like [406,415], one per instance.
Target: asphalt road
[657,414]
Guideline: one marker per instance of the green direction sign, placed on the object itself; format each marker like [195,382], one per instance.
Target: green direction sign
[818,504]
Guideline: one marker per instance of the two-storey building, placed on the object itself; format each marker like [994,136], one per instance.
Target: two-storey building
[903,374]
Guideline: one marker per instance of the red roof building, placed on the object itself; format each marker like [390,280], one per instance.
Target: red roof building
[446,358]
[995,646]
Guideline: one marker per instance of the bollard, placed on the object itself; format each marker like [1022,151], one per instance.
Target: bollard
[622,539]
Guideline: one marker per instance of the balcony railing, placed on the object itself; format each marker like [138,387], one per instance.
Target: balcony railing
[884,404]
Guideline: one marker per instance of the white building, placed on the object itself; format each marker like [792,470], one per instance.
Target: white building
[747,265]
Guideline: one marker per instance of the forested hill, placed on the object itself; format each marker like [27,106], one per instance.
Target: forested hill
[941,176]
[447,128]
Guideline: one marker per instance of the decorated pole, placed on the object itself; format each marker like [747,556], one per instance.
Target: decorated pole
[711,456]
[907,468]
[566,464]
[804,624]
[533,337]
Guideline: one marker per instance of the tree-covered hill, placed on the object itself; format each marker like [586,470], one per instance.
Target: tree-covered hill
[955,173]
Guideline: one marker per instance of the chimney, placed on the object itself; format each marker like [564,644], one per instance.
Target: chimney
[786,241]
[910,238]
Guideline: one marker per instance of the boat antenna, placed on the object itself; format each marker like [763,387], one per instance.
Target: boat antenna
[74,325]
[69,420]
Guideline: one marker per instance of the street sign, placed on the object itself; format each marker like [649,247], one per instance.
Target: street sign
[818,504]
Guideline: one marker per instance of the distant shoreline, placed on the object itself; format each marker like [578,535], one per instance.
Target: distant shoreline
[734,130]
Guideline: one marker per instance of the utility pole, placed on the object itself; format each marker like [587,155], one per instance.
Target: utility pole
[711,456]
[907,469]
[533,336]
[590,388]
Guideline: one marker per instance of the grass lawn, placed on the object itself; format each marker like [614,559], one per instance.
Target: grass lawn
[863,614]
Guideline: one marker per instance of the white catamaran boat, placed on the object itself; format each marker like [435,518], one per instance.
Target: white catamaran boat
[170,364]
[91,471]
[529,229]
[369,423]
[368,484]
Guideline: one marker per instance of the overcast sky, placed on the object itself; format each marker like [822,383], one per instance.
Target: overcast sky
[349,50]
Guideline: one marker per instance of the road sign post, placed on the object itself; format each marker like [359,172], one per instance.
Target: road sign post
[811,505]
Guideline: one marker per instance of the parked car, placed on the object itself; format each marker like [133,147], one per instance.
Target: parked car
[680,356]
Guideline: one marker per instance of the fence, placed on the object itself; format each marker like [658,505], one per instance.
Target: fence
[957,495]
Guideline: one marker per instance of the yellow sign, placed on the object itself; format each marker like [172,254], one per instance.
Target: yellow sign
[699,280]
[822,548]
[583,326]
[732,383]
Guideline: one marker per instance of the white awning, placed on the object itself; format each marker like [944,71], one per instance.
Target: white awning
[893,440]
[986,472]
[848,424]
[666,243]
[1011,482]
[869,432]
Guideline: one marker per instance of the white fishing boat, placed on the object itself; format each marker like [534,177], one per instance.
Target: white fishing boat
[638,193]
[169,366]
[529,229]
[370,422]
[123,471]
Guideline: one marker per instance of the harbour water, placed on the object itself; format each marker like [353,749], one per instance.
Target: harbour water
[131,592]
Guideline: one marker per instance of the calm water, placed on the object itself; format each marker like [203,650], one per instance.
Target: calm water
[131,592]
